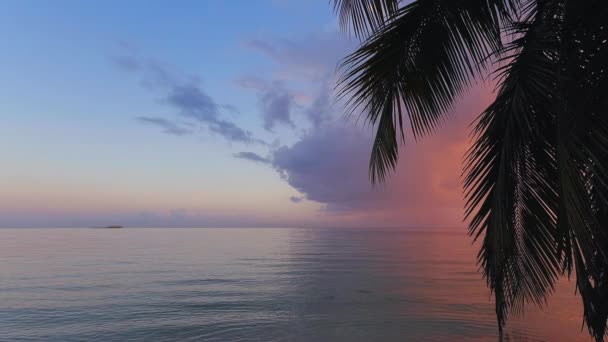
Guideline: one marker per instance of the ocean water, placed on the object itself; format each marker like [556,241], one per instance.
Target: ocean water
[257,285]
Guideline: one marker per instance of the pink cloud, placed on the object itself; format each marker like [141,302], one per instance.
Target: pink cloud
[329,166]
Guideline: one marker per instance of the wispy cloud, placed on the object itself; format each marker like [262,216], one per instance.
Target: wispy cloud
[185,94]
[276,103]
[307,63]
[168,127]
[252,156]
[275,100]
[295,199]
[309,56]
[319,112]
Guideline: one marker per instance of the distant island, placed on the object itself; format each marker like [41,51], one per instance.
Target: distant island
[109,227]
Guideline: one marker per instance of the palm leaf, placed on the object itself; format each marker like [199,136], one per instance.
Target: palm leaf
[424,57]
[510,174]
[583,156]
[536,178]
[364,17]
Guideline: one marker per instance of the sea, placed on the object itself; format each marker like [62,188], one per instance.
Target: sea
[229,284]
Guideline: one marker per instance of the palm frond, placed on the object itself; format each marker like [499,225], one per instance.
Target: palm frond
[583,155]
[510,176]
[536,178]
[384,150]
[364,17]
[424,57]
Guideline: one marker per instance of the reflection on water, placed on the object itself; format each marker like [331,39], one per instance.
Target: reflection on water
[256,285]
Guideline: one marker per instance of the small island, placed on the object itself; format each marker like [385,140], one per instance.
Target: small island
[109,227]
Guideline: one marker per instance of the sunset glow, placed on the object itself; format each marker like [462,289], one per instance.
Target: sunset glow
[137,129]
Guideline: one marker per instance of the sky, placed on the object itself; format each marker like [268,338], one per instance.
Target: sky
[201,114]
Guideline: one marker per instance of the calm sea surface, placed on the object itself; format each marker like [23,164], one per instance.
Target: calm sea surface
[256,285]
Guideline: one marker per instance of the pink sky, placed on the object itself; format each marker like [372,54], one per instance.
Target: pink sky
[226,126]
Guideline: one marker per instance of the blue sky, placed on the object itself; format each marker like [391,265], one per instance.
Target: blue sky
[189,113]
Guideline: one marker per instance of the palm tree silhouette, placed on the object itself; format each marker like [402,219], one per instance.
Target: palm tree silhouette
[536,177]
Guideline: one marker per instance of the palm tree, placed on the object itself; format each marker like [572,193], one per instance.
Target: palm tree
[536,177]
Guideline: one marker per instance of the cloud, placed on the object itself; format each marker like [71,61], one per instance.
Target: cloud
[193,102]
[185,94]
[230,108]
[168,127]
[320,109]
[275,100]
[308,62]
[329,162]
[295,199]
[310,56]
[329,165]
[276,103]
[252,157]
